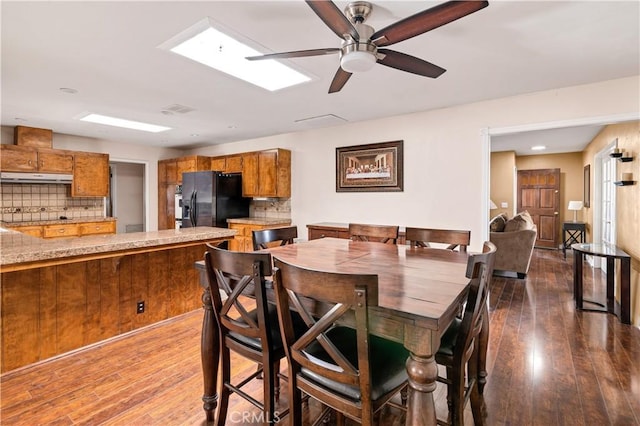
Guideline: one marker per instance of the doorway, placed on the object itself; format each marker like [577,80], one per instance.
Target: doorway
[126,201]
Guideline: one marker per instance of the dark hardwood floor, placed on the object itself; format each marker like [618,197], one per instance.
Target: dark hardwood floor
[547,363]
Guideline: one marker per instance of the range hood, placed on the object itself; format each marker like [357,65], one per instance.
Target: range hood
[19,177]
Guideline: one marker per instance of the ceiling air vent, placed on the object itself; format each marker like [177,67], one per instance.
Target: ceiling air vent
[176,109]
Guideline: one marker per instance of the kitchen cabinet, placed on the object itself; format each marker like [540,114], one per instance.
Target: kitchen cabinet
[169,175]
[90,175]
[60,230]
[267,173]
[243,240]
[63,230]
[33,230]
[227,164]
[26,159]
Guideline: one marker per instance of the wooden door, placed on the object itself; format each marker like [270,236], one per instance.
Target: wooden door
[539,194]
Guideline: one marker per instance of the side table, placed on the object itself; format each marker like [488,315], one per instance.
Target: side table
[572,233]
[610,253]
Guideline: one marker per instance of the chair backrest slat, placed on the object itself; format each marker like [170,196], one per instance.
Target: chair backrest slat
[286,235]
[366,232]
[422,237]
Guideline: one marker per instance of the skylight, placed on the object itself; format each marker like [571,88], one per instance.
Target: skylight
[121,122]
[213,48]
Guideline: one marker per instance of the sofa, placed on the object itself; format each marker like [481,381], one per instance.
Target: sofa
[514,239]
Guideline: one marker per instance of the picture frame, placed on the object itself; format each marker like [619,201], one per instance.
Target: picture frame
[587,186]
[376,167]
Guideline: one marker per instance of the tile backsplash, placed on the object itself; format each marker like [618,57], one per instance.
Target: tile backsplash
[271,209]
[23,202]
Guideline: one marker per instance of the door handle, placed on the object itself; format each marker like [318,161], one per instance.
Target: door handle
[556,213]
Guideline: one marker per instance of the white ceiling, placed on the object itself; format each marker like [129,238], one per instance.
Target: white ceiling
[108,52]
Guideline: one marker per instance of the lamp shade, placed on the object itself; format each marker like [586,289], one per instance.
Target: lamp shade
[575,205]
[492,205]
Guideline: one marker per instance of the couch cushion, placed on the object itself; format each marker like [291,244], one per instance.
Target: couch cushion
[519,222]
[497,223]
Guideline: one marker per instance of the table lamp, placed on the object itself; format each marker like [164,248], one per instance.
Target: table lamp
[575,206]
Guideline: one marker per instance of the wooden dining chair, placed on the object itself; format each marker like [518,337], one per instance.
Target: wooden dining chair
[345,368]
[285,235]
[247,324]
[424,237]
[460,348]
[366,232]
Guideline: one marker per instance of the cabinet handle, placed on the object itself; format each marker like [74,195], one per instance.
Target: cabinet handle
[61,231]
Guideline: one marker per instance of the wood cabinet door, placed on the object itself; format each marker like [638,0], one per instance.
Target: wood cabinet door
[55,161]
[268,174]
[250,177]
[18,159]
[90,175]
[234,164]
[219,164]
[185,165]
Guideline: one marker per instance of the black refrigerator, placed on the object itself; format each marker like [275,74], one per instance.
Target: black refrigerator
[210,198]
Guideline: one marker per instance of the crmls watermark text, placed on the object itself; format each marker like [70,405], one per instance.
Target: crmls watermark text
[242,417]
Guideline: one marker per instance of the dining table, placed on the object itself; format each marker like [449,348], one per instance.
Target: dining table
[420,292]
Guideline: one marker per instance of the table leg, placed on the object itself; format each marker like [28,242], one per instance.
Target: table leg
[625,290]
[611,285]
[423,372]
[577,279]
[210,354]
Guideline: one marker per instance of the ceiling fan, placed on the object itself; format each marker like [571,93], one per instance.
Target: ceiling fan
[362,47]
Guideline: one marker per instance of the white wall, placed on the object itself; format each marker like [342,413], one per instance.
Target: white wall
[445,166]
[445,161]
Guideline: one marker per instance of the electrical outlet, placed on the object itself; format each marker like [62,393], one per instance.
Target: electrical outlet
[140,307]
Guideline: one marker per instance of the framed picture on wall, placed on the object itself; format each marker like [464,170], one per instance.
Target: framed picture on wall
[376,167]
[587,185]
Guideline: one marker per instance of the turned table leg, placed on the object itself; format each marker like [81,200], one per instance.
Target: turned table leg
[423,372]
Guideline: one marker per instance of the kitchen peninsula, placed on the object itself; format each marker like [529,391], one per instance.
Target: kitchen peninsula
[60,295]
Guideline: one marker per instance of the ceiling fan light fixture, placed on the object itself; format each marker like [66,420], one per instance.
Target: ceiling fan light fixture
[357,61]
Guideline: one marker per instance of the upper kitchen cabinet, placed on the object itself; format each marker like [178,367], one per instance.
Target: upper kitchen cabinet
[228,164]
[16,158]
[267,173]
[90,175]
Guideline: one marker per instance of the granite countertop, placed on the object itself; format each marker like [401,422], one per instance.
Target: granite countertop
[16,247]
[260,221]
[56,222]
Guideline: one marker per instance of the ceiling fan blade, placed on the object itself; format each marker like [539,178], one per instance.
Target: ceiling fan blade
[295,54]
[339,80]
[408,63]
[425,21]
[333,18]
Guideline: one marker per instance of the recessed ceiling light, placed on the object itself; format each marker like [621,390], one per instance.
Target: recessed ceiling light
[538,148]
[68,90]
[121,122]
[205,44]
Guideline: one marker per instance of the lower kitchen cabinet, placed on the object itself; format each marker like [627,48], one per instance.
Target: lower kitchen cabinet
[65,230]
[243,240]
